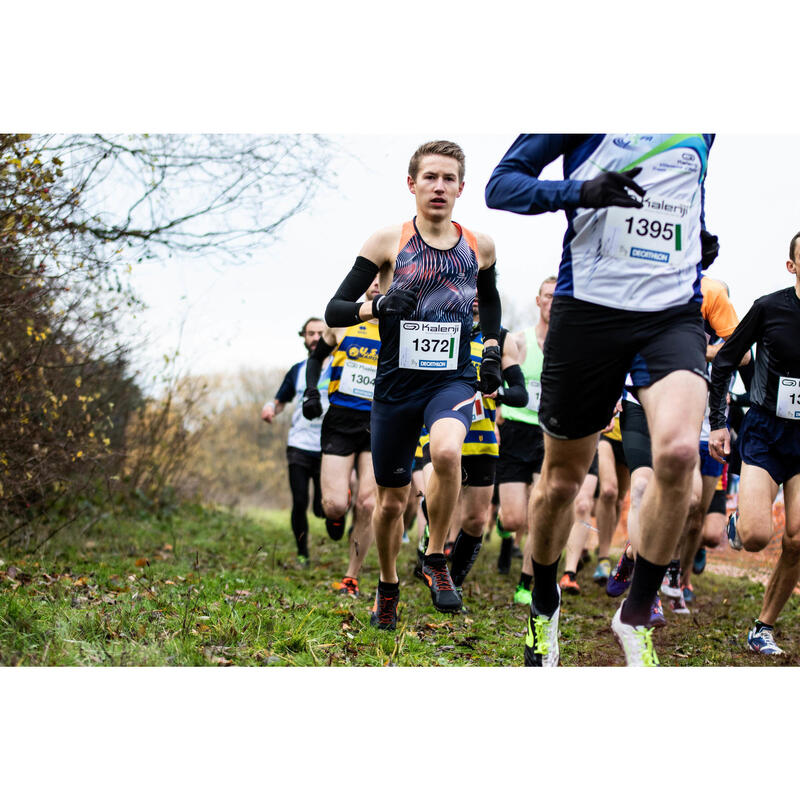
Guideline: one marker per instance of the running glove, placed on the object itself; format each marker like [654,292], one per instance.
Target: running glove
[612,189]
[491,374]
[312,403]
[710,248]
[398,303]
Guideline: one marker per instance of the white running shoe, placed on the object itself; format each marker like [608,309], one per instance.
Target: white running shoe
[541,639]
[636,642]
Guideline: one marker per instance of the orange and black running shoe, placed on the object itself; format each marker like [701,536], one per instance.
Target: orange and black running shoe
[348,586]
[568,584]
[384,611]
[443,591]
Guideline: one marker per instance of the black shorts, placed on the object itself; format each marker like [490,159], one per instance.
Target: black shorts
[718,503]
[304,458]
[617,449]
[478,470]
[590,349]
[635,436]
[594,467]
[771,443]
[345,431]
[521,452]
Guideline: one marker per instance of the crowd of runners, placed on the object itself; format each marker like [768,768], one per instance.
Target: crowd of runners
[416,408]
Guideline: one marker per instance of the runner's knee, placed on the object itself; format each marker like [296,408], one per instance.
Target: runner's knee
[675,461]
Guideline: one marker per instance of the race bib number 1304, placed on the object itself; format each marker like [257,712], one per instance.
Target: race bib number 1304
[429,345]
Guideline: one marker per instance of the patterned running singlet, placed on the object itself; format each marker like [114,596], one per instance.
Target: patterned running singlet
[445,282]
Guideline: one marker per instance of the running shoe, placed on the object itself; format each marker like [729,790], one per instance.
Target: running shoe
[602,572]
[636,642]
[699,563]
[523,596]
[516,552]
[688,594]
[302,562]
[568,584]
[761,640]
[444,596]
[335,528]
[504,559]
[657,619]
[620,578]
[501,531]
[733,534]
[422,546]
[448,550]
[541,640]
[347,586]
[678,604]
[671,585]
[405,539]
[384,611]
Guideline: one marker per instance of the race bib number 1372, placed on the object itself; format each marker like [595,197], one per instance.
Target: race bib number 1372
[429,346]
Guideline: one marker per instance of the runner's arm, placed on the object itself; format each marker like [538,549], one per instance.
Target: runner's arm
[515,393]
[315,359]
[515,186]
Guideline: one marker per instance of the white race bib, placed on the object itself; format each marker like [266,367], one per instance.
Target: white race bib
[534,395]
[788,405]
[478,411]
[358,379]
[429,346]
[652,234]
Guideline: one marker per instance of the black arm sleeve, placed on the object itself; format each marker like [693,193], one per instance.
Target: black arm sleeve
[489,303]
[286,392]
[342,310]
[727,360]
[314,363]
[515,394]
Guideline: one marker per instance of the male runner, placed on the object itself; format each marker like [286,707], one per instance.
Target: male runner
[430,269]
[345,438]
[627,300]
[769,439]
[303,448]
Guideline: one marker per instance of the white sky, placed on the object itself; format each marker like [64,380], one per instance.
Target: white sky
[248,315]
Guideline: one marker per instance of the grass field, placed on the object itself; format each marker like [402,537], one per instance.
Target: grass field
[205,587]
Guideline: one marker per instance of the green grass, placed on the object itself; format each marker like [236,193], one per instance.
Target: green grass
[205,587]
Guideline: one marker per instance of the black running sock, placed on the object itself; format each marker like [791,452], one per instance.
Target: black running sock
[760,626]
[424,506]
[545,587]
[645,583]
[301,540]
[388,589]
[506,546]
[571,574]
[465,551]
[335,528]
[434,559]
[525,580]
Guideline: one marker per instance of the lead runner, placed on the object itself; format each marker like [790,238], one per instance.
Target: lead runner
[429,270]
[627,299]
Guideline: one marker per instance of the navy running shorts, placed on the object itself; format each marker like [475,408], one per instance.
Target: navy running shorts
[395,429]
[708,464]
[771,443]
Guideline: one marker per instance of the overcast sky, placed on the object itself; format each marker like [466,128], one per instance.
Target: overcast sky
[224,318]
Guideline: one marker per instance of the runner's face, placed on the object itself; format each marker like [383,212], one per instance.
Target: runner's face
[545,300]
[312,334]
[373,290]
[475,309]
[436,186]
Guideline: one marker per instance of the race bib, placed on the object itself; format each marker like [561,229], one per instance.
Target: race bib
[534,395]
[653,234]
[429,346]
[788,405]
[358,379]
[478,411]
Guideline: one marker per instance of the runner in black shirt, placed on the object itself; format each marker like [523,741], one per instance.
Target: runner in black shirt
[769,439]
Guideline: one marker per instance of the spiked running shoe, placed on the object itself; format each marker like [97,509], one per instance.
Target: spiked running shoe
[620,578]
[636,642]
[541,639]
[384,611]
[761,640]
[347,586]
[501,531]
[678,605]
[444,596]
[671,585]
[602,572]
[733,534]
[448,550]
[657,619]
[568,584]
[335,528]
[523,596]
[699,563]
[688,593]
[302,562]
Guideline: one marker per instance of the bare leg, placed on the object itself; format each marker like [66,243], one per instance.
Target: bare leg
[580,528]
[387,522]
[362,535]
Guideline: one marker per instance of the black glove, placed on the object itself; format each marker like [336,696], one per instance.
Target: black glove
[709,245]
[491,374]
[612,189]
[312,403]
[398,303]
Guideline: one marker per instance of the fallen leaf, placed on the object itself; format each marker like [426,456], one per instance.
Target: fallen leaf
[167,547]
[12,572]
[142,562]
